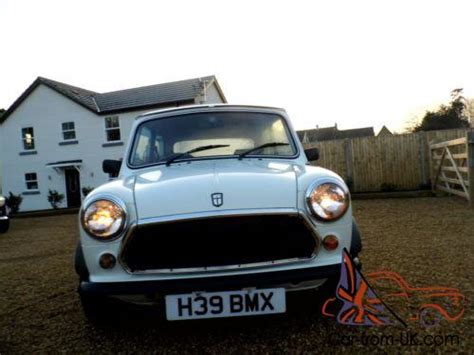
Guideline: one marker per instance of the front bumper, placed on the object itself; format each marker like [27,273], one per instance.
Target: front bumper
[264,278]
[216,283]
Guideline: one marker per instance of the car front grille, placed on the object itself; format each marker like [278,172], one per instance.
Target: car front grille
[236,241]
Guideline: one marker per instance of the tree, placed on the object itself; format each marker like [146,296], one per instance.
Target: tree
[447,117]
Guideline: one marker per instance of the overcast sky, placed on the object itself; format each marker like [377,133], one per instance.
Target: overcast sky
[357,63]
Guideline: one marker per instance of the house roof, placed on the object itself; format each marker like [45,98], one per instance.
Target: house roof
[384,131]
[152,95]
[81,96]
[330,133]
[123,100]
[356,132]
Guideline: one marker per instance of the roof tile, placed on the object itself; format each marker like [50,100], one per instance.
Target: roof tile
[122,100]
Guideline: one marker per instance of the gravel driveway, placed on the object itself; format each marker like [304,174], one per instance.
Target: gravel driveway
[429,241]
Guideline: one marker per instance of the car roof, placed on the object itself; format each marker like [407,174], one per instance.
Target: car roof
[209,107]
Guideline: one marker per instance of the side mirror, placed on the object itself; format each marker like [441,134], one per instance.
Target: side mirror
[312,154]
[111,167]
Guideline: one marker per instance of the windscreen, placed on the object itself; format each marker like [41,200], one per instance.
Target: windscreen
[158,140]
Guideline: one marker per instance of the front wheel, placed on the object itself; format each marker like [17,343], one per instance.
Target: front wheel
[99,310]
[328,289]
[4,225]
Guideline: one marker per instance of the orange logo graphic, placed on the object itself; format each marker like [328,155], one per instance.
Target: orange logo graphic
[357,303]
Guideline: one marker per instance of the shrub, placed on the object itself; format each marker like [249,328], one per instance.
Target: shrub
[86,190]
[55,198]
[14,202]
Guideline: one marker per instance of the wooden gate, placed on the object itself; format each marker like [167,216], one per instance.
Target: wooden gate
[452,167]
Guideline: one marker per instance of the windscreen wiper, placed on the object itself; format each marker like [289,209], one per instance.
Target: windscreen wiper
[266,145]
[198,149]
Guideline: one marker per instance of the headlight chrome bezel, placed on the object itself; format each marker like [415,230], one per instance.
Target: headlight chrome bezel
[123,225]
[318,183]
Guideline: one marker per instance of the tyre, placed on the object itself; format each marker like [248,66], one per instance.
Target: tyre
[106,311]
[4,225]
[99,310]
[328,289]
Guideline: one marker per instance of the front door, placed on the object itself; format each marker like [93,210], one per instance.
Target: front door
[73,188]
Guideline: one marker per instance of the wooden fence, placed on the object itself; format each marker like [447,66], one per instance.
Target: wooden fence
[386,163]
[452,166]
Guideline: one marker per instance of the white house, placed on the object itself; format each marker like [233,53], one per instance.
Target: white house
[55,136]
[2,111]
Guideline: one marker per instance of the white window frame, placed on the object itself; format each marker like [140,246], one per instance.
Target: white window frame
[29,181]
[68,131]
[23,139]
[107,129]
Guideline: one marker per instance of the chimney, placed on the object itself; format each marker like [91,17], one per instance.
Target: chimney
[203,84]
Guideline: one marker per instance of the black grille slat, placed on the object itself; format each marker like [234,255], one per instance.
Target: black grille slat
[218,242]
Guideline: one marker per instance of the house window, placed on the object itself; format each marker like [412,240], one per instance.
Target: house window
[28,137]
[31,180]
[112,128]
[69,131]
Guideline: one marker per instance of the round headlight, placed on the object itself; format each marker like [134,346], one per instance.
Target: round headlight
[2,201]
[328,201]
[103,219]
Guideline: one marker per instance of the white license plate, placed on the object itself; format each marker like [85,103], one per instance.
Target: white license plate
[225,304]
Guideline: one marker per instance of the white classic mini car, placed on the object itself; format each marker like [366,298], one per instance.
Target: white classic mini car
[216,212]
